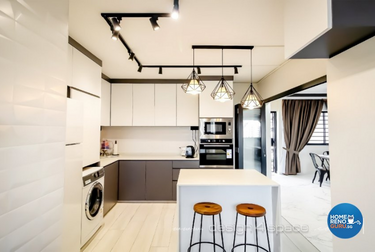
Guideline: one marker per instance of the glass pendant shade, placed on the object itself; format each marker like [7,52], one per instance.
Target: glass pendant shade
[251,99]
[223,91]
[194,85]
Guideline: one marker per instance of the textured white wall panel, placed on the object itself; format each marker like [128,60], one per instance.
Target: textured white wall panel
[34,76]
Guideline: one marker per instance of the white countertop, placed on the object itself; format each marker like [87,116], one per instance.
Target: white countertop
[104,161]
[221,177]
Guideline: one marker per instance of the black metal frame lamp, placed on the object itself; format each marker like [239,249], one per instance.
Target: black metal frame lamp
[194,85]
[223,91]
[251,99]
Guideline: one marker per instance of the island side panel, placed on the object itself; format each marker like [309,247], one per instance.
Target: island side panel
[228,197]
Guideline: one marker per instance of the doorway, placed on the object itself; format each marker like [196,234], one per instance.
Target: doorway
[273,127]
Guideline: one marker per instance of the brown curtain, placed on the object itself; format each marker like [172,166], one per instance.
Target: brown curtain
[300,119]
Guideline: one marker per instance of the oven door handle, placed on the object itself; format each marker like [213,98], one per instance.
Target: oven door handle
[216,145]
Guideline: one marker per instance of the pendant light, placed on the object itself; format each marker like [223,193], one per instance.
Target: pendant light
[223,91]
[252,98]
[194,85]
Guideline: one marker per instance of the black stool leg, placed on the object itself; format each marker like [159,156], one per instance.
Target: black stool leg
[256,233]
[213,224]
[245,231]
[235,229]
[268,238]
[192,230]
[221,230]
[200,235]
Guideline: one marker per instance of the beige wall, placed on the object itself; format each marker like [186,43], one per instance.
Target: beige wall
[351,88]
[291,74]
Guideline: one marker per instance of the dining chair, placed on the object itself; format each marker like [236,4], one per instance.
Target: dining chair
[321,169]
[326,164]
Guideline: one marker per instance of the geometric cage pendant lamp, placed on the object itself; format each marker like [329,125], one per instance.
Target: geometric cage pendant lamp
[194,84]
[223,91]
[251,99]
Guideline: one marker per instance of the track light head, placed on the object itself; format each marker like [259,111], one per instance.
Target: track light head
[115,35]
[116,23]
[235,70]
[154,23]
[140,68]
[160,70]
[176,10]
[199,70]
[131,56]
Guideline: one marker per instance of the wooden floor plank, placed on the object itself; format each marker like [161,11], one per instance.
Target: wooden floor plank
[110,219]
[164,229]
[159,249]
[123,220]
[173,244]
[147,232]
[129,235]
[108,241]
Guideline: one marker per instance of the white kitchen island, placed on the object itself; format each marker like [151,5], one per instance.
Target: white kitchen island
[227,188]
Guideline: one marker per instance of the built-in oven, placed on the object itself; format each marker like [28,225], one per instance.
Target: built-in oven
[216,153]
[216,128]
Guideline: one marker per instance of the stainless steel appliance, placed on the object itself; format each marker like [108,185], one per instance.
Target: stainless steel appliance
[216,128]
[216,143]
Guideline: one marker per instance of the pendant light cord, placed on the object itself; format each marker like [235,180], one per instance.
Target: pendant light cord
[194,59]
[251,67]
[222,62]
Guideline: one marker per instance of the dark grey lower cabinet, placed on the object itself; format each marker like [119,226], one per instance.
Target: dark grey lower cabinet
[110,186]
[158,180]
[132,180]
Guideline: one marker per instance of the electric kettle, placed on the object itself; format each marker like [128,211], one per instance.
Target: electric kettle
[190,151]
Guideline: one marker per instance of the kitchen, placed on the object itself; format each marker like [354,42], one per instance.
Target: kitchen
[36,72]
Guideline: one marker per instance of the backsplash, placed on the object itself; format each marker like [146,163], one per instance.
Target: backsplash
[158,140]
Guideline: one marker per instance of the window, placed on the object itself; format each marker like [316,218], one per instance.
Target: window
[320,135]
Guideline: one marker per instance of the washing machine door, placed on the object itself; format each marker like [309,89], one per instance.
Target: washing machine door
[94,200]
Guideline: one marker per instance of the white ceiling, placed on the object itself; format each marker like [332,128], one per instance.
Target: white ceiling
[201,22]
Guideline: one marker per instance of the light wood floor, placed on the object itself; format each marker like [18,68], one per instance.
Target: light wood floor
[152,227]
[137,227]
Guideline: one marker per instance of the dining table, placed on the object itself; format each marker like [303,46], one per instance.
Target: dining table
[325,159]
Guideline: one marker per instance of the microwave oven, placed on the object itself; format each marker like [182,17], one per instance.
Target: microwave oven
[216,128]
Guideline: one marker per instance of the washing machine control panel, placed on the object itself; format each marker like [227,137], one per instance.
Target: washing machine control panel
[92,177]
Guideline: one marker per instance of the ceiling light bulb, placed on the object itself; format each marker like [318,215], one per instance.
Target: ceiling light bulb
[194,85]
[160,70]
[251,99]
[116,24]
[223,91]
[176,10]
[115,35]
[235,70]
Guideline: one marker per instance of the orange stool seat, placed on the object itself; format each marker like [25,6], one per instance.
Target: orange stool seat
[207,208]
[251,210]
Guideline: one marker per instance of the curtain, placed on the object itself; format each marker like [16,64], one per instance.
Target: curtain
[300,119]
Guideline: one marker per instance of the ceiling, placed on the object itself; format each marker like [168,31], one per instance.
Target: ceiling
[201,22]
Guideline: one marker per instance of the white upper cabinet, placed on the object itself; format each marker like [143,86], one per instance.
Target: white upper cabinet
[187,108]
[208,107]
[143,105]
[165,105]
[122,105]
[106,103]
[86,74]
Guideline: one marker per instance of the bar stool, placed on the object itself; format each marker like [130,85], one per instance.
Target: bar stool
[207,209]
[254,211]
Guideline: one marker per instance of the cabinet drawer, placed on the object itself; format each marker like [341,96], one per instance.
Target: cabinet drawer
[186,164]
[175,174]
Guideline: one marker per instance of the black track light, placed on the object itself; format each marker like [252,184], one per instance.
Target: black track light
[115,35]
[140,68]
[160,70]
[176,9]
[154,23]
[235,70]
[131,56]
[199,70]
[116,23]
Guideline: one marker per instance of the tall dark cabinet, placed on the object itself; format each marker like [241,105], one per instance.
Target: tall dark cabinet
[110,186]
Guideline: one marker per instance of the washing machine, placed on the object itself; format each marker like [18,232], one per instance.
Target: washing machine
[92,202]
